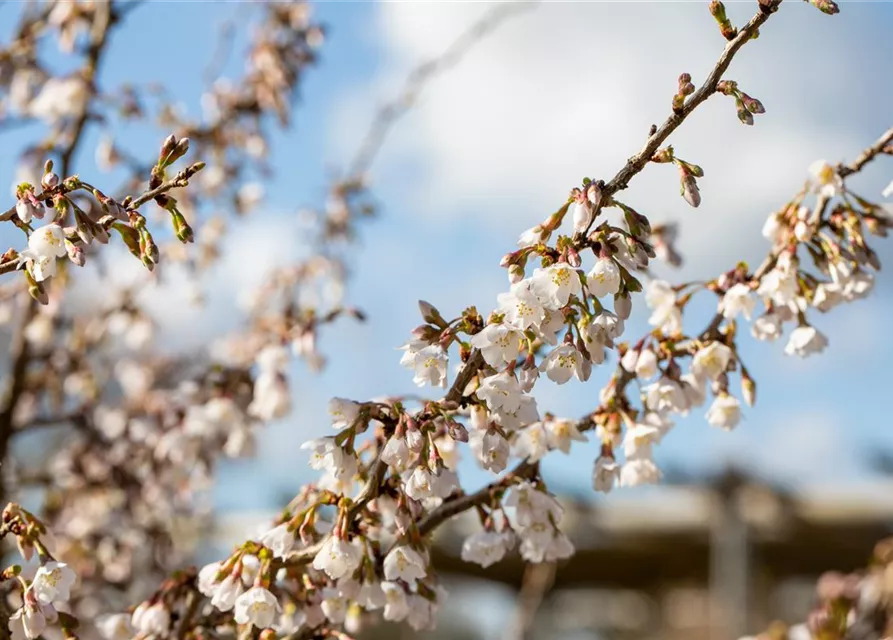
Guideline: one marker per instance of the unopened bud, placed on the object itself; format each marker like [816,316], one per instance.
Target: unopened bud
[689,189]
[36,291]
[181,228]
[748,389]
[745,116]
[431,315]
[458,432]
[752,104]
[623,305]
[75,253]
[573,257]
[825,6]
[49,180]
[516,273]
[167,147]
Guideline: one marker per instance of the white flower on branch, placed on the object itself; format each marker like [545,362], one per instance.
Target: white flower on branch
[767,327]
[280,540]
[343,412]
[151,619]
[531,443]
[491,450]
[642,363]
[486,547]
[661,298]
[824,178]
[639,471]
[638,440]
[258,607]
[334,605]
[338,557]
[711,361]
[604,278]
[498,343]
[564,362]
[737,300]
[45,245]
[533,236]
[805,341]
[114,626]
[725,412]
[396,607]
[666,395]
[226,592]
[429,365]
[532,505]
[605,474]
[560,432]
[53,582]
[521,306]
[404,563]
[501,392]
[780,284]
[555,284]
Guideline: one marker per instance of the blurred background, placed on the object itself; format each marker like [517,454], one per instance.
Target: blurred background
[560,91]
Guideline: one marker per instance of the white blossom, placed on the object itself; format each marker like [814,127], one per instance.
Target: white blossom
[53,582]
[396,453]
[280,540]
[555,284]
[604,278]
[666,395]
[642,363]
[533,236]
[531,443]
[258,607]
[661,298]
[396,607]
[737,300]
[429,366]
[605,474]
[500,392]
[581,215]
[805,341]
[491,450]
[638,440]
[560,433]
[773,229]
[824,178]
[404,563]
[767,327]
[498,343]
[532,505]
[227,592]
[334,605]
[521,306]
[711,361]
[639,471]
[725,412]
[486,547]
[338,557]
[343,412]
[564,362]
[114,626]
[152,619]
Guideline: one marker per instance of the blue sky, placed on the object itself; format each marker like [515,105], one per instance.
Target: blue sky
[565,90]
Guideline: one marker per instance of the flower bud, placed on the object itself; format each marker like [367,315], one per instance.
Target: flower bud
[745,116]
[825,6]
[516,273]
[623,305]
[75,253]
[458,432]
[431,315]
[582,215]
[748,389]
[689,188]
[49,180]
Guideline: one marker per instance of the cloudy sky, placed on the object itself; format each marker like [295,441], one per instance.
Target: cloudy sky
[563,90]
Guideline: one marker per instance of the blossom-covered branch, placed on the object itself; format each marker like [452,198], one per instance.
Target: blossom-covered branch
[357,540]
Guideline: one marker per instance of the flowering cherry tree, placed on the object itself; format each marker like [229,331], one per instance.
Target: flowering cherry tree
[354,544]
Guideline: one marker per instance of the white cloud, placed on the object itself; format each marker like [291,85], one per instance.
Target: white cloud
[570,89]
